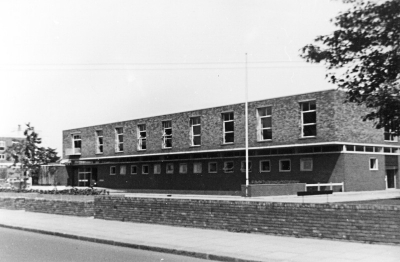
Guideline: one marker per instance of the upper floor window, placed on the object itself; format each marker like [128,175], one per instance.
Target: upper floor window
[142,134]
[99,141]
[119,139]
[195,131]
[228,128]
[308,119]
[167,134]
[388,134]
[2,156]
[2,145]
[264,123]
[76,143]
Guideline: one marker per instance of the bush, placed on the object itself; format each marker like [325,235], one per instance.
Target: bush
[72,191]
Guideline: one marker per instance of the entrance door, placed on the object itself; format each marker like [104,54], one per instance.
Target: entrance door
[391,178]
[84,176]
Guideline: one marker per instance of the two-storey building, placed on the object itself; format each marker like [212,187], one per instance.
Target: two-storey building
[308,138]
[7,169]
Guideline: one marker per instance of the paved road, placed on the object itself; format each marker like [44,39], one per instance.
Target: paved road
[22,246]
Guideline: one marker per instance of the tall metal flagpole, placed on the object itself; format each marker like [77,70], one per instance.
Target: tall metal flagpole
[246,134]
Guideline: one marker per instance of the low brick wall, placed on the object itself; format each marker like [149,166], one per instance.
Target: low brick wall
[373,224]
[14,203]
[70,206]
[60,207]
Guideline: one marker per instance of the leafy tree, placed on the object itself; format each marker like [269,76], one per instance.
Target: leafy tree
[362,57]
[29,154]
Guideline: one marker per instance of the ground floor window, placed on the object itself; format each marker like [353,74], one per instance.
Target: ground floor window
[157,169]
[113,170]
[243,166]
[373,164]
[122,170]
[265,166]
[145,169]
[212,167]
[182,168]
[306,164]
[284,165]
[197,168]
[133,170]
[170,168]
[228,166]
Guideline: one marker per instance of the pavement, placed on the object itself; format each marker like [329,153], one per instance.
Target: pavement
[205,243]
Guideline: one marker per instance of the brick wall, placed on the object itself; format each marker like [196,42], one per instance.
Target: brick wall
[335,122]
[211,136]
[51,206]
[60,207]
[13,203]
[364,223]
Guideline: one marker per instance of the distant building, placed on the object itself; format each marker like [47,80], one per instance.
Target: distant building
[309,138]
[7,170]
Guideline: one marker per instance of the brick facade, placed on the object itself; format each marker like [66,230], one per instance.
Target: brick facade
[338,125]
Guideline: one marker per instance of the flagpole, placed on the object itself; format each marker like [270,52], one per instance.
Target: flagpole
[246,132]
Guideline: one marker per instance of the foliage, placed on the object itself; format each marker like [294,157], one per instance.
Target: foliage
[29,154]
[72,191]
[362,57]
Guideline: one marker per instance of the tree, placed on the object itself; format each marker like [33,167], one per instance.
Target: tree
[29,154]
[362,58]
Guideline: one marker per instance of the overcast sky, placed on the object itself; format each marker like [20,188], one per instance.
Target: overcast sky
[69,64]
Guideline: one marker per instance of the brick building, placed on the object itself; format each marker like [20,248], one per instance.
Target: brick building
[308,138]
[7,170]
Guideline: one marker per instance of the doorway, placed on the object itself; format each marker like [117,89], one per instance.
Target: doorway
[84,176]
[391,178]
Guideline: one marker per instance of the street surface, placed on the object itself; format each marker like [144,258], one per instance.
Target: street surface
[22,246]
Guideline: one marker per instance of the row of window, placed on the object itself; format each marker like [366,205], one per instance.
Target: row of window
[264,130]
[306,164]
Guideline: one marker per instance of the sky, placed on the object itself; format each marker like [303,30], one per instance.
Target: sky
[70,64]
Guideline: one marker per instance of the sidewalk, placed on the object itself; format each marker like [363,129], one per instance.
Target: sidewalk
[202,243]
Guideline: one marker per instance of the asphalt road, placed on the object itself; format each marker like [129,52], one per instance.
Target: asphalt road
[21,246]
